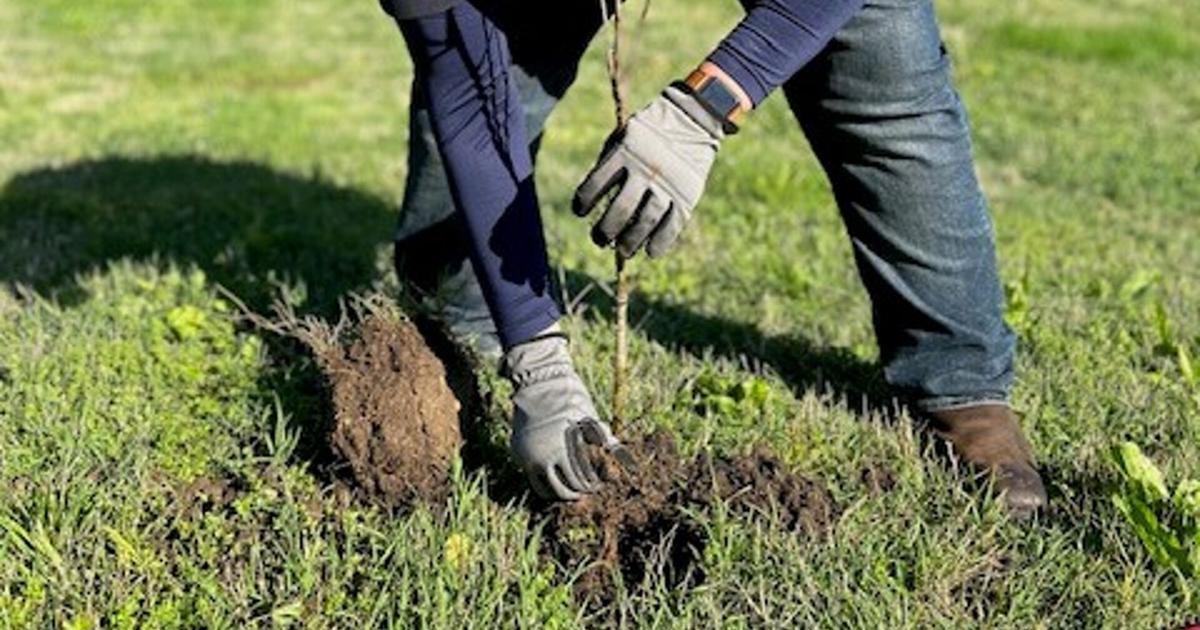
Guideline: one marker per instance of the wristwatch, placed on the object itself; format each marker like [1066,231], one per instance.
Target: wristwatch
[717,98]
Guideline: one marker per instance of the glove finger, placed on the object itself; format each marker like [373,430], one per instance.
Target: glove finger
[620,211]
[666,233]
[599,434]
[623,457]
[558,489]
[565,482]
[539,485]
[596,433]
[636,233]
[577,457]
[595,186]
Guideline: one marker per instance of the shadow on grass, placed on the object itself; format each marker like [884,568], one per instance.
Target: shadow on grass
[246,225]
[802,364]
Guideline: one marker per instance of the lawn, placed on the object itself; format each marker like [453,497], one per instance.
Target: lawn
[159,465]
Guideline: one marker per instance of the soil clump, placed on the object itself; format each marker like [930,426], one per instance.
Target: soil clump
[395,418]
[640,523]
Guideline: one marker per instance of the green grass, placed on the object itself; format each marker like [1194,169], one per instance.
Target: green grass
[151,151]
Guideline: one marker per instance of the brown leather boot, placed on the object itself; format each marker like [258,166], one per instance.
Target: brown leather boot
[988,437]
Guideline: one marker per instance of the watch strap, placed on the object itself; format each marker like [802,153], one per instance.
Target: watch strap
[716,97]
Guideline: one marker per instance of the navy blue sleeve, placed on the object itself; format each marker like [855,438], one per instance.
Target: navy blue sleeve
[777,38]
[462,68]
[410,9]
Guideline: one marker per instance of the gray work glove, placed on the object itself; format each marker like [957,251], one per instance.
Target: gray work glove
[554,419]
[659,163]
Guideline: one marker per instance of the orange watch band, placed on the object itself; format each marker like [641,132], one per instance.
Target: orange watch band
[698,80]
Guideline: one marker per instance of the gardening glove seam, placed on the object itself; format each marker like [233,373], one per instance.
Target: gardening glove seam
[541,374]
[655,184]
[636,148]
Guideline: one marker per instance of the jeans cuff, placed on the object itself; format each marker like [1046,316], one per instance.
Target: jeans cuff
[949,403]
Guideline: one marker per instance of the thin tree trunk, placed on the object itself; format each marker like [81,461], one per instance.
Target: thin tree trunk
[621,352]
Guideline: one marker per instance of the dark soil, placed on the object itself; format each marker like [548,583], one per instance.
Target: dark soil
[638,525]
[878,479]
[209,490]
[396,420]
[483,447]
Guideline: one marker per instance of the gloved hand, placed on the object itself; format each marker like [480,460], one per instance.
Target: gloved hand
[554,419]
[659,162]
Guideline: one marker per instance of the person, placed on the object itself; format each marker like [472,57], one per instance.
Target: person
[869,82]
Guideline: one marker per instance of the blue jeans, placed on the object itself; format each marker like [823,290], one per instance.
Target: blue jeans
[879,108]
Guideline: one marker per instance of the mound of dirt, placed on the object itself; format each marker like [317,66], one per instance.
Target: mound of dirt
[396,420]
[639,523]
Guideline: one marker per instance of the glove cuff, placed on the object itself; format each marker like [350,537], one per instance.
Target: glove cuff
[540,359]
[680,95]
[541,374]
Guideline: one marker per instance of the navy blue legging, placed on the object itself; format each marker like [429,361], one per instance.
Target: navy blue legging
[462,67]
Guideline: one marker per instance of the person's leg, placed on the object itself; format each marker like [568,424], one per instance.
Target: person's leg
[462,65]
[881,112]
[882,115]
[430,243]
